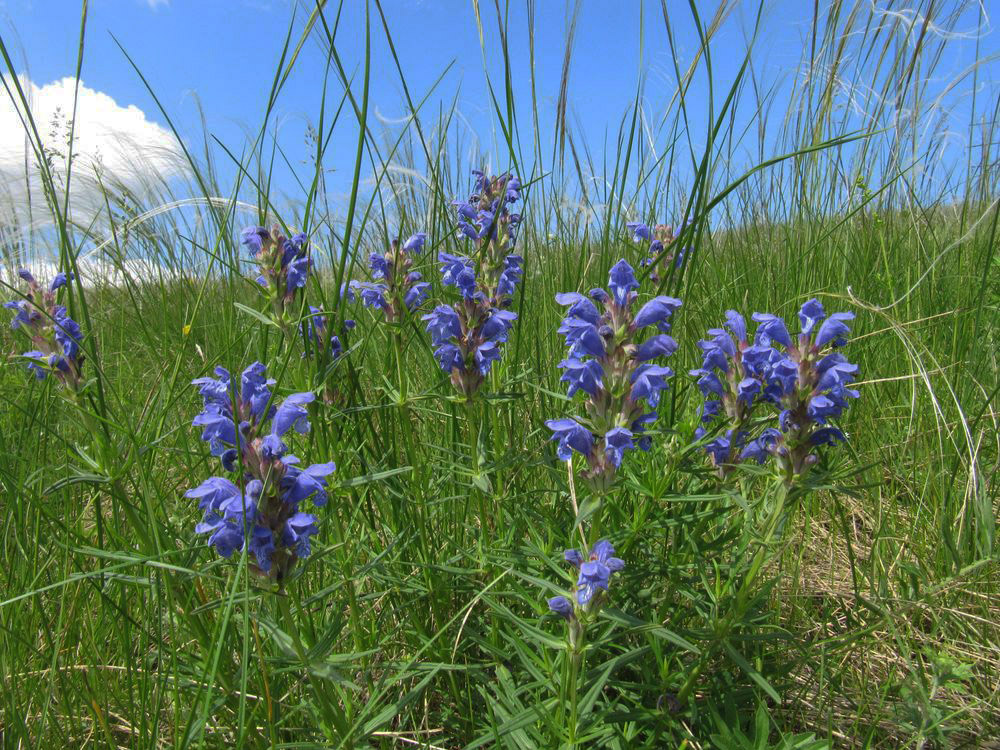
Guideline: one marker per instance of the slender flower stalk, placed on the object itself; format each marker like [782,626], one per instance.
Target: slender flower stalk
[615,368]
[777,396]
[55,337]
[247,433]
[283,265]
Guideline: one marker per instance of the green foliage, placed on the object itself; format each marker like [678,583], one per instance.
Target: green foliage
[858,611]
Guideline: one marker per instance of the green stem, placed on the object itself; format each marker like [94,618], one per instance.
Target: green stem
[575,668]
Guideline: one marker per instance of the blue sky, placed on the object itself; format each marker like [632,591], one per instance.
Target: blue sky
[225,52]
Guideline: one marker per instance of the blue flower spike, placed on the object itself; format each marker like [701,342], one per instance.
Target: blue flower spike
[660,253]
[396,289]
[594,571]
[262,508]
[799,383]
[283,266]
[468,335]
[53,335]
[612,359]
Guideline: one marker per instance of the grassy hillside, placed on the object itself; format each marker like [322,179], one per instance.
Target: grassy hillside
[855,606]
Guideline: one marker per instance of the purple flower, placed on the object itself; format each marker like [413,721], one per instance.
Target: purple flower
[834,329]
[379,266]
[498,324]
[582,338]
[458,272]
[834,370]
[292,413]
[561,606]
[579,307]
[827,436]
[301,484]
[660,345]
[616,442]
[255,388]
[657,310]
[718,449]
[595,573]
[647,383]
[737,325]
[810,315]
[443,324]
[449,358]
[298,530]
[582,376]
[415,243]
[571,436]
[485,355]
[416,295]
[621,281]
[771,328]
[759,449]
[639,231]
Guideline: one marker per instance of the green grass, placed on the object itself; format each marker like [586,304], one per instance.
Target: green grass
[419,620]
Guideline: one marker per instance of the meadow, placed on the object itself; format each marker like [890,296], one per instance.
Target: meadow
[822,579]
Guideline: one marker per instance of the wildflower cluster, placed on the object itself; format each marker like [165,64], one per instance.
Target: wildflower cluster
[284,266]
[54,335]
[396,288]
[800,384]
[467,336]
[595,571]
[615,370]
[246,432]
[486,219]
[659,237]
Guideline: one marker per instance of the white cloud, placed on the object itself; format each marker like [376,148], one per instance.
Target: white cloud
[113,145]
[154,4]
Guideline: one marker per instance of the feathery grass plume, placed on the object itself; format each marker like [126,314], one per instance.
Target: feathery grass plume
[247,433]
[609,361]
[284,265]
[55,336]
[801,384]
[395,288]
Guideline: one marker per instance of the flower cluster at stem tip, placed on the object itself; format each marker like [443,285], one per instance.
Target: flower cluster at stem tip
[659,237]
[247,433]
[594,575]
[396,288]
[283,264]
[609,363]
[468,334]
[54,335]
[799,384]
